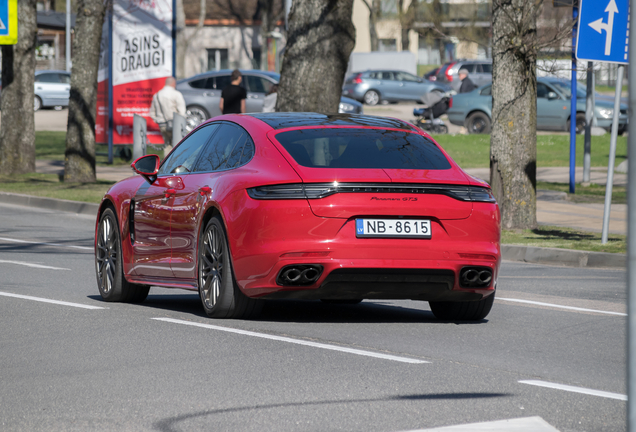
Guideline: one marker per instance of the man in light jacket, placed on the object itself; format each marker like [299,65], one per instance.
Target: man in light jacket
[164,104]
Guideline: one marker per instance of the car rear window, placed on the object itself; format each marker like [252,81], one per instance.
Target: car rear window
[362,148]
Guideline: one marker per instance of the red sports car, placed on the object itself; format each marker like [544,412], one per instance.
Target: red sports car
[302,206]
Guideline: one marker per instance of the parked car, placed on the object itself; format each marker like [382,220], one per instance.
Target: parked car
[52,89]
[373,87]
[202,93]
[479,72]
[474,110]
[432,74]
[304,206]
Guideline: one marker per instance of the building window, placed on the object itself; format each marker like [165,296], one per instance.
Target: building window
[217,58]
[388,45]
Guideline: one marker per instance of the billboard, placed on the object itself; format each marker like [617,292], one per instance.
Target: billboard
[140,61]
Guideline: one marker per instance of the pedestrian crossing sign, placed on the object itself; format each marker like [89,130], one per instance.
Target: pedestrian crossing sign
[8,22]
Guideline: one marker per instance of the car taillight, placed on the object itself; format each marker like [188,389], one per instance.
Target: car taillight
[357,79]
[450,103]
[449,77]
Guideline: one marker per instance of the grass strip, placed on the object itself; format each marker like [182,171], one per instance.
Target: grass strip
[564,238]
[593,193]
[473,151]
[50,186]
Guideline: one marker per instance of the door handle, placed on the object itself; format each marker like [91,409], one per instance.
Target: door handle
[205,190]
[253,96]
[169,192]
[209,94]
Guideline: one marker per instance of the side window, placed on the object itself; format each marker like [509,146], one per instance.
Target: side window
[542,90]
[248,151]
[224,151]
[486,91]
[222,81]
[258,84]
[65,79]
[470,67]
[203,83]
[477,68]
[182,159]
[487,67]
[48,78]
[387,75]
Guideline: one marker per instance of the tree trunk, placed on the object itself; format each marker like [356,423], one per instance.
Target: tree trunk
[513,143]
[183,42]
[17,134]
[374,14]
[79,163]
[320,40]
[182,45]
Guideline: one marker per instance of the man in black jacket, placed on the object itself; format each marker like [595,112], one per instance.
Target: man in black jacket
[467,85]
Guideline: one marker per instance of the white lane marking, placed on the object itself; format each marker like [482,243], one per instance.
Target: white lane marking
[45,300]
[44,243]
[32,265]
[524,424]
[578,309]
[574,389]
[296,341]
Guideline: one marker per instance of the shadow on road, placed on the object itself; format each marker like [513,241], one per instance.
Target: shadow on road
[175,423]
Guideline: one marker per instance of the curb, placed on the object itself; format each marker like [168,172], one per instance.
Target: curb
[530,254]
[50,203]
[566,257]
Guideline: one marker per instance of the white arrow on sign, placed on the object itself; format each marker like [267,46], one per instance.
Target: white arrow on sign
[599,25]
[2,26]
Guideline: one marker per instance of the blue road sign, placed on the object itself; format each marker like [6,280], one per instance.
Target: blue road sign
[603,31]
[8,22]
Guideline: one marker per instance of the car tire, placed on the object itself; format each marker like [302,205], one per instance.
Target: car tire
[218,290]
[37,103]
[478,123]
[112,285]
[462,311]
[195,115]
[372,98]
[342,302]
[580,124]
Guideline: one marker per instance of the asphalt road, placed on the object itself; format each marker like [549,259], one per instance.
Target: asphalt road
[553,347]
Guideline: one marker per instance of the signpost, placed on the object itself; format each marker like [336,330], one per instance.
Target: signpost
[8,22]
[604,28]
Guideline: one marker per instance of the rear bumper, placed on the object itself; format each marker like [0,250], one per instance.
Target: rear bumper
[363,268]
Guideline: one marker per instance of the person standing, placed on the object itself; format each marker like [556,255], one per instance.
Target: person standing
[164,104]
[467,85]
[233,96]
[269,101]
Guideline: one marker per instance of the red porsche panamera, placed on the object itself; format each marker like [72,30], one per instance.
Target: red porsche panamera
[304,206]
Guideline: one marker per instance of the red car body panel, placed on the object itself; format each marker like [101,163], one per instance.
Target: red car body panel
[266,235]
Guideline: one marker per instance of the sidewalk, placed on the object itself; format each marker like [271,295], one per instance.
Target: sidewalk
[559,212]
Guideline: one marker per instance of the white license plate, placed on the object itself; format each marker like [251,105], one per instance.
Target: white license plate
[408,228]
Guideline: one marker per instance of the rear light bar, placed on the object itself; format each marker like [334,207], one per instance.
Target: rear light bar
[449,77]
[322,190]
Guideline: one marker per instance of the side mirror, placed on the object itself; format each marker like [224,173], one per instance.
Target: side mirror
[552,96]
[147,166]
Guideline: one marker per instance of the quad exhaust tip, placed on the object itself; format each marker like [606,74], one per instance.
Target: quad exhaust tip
[475,277]
[299,274]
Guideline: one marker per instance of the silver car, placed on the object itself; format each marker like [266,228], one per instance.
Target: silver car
[479,72]
[373,87]
[202,93]
[52,89]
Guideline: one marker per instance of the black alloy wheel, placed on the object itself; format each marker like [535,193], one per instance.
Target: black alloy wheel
[111,282]
[478,123]
[219,293]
